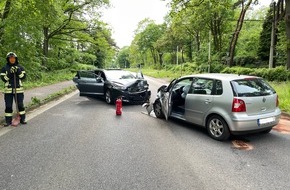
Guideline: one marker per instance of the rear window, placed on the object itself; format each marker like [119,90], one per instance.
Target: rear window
[251,87]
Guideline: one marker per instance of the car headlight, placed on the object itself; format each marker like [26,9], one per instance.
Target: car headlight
[119,87]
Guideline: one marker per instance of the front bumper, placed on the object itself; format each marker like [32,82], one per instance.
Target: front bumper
[134,97]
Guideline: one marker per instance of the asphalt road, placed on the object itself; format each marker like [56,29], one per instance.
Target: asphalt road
[81,144]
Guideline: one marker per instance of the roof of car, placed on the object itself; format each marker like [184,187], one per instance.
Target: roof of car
[110,69]
[221,76]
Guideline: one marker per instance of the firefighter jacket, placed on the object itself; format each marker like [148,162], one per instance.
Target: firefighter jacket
[8,72]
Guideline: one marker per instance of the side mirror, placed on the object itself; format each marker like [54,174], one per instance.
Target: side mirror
[99,79]
[162,88]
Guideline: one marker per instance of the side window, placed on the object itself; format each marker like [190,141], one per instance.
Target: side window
[183,83]
[100,74]
[87,74]
[219,87]
[202,86]
[183,86]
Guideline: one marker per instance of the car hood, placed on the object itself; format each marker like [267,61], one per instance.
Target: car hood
[127,82]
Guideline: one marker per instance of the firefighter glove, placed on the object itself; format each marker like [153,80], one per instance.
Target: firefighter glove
[14,69]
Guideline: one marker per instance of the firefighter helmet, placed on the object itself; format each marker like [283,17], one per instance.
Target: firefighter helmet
[11,54]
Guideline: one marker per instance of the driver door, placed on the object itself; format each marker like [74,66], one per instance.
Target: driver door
[89,84]
[165,99]
[166,104]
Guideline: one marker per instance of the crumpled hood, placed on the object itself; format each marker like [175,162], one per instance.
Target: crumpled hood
[126,82]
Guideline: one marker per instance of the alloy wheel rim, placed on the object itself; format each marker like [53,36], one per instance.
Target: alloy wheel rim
[108,99]
[216,127]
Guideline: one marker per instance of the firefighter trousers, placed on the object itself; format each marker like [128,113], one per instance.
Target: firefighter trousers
[8,97]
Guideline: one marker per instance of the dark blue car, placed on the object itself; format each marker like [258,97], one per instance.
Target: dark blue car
[112,84]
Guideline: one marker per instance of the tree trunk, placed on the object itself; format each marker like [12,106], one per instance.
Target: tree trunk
[4,15]
[273,37]
[237,32]
[45,46]
[160,59]
[287,19]
[153,55]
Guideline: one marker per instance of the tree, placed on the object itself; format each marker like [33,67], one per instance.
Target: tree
[244,8]
[56,33]
[265,36]
[148,36]
[70,19]
[3,16]
[123,58]
[287,20]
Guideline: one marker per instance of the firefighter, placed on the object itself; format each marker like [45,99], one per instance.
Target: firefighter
[8,72]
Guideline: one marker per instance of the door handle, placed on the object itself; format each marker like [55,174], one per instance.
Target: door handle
[207,101]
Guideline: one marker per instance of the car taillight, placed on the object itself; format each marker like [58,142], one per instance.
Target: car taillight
[238,105]
[277,101]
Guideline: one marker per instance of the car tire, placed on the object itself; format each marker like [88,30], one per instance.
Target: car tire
[158,109]
[108,97]
[217,128]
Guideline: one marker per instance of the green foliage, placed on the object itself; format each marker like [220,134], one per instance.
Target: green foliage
[123,58]
[246,61]
[217,67]
[265,36]
[283,91]
[55,35]
[276,74]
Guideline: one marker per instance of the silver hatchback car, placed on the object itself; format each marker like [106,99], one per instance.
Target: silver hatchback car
[224,104]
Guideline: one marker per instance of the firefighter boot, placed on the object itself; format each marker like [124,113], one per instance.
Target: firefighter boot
[22,119]
[8,121]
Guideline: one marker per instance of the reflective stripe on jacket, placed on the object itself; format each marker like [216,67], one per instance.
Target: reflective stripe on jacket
[8,79]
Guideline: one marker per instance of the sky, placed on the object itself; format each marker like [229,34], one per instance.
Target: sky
[125,15]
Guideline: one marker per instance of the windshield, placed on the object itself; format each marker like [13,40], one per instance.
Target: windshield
[119,74]
[252,87]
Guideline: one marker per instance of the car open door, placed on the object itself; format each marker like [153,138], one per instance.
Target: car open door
[166,104]
[90,84]
[166,101]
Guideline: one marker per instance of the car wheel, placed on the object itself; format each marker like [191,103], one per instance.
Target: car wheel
[108,96]
[217,128]
[158,109]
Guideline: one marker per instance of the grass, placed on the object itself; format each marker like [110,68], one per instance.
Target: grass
[282,88]
[283,91]
[35,102]
[48,78]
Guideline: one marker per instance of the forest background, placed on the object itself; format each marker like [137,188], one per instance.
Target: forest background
[54,39]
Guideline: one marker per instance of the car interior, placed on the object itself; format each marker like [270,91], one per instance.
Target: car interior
[191,86]
[179,93]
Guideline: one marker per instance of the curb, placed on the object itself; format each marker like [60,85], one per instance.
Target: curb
[285,115]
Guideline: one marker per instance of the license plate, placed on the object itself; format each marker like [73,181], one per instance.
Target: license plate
[266,120]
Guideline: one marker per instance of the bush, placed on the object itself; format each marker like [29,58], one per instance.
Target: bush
[243,61]
[217,68]
[276,74]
